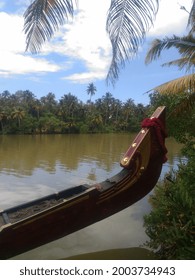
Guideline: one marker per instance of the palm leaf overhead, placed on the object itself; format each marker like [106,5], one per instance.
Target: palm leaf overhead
[127,24]
[182,63]
[42,19]
[191,19]
[185,88]
[185,84]
[185,46]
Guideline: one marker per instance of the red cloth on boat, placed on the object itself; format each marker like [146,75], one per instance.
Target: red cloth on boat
[160,132]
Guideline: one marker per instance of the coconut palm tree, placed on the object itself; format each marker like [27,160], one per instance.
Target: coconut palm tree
[186,48]
[18,114]
[3,116]
[49,102]
[68,105]
[91,89]
[127,24]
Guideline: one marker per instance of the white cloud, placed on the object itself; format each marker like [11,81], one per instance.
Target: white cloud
[85,39]
[13,60]
[170,18]
[11,35]
[86,77]
[12,63]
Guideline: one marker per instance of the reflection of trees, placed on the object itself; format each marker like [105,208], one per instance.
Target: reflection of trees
[174,149]
[23,154]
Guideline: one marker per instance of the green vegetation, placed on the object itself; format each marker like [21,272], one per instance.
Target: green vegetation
[171,224]
[23,113]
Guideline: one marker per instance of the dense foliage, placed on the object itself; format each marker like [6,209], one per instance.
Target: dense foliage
[170,225]
[23,113]
[180,114]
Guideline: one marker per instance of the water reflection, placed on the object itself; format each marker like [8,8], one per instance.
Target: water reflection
[174,156]
[33,166]
[21,155]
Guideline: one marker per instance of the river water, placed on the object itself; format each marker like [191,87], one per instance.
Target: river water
[34,166]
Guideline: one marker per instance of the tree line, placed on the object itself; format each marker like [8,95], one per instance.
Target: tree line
[23,113]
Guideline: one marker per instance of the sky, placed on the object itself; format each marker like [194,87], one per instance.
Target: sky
[80,53]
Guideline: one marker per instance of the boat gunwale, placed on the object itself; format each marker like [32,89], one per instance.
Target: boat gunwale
[21,206]
[43,198]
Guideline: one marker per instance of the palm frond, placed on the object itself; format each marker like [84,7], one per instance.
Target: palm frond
[43,18]
[185,84]
[182,63]
[127,23]
[191,19]
[185,46]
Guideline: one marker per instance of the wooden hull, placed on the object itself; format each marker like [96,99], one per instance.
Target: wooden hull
[41,221]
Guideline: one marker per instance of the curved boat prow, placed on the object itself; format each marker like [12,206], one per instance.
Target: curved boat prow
[154,125]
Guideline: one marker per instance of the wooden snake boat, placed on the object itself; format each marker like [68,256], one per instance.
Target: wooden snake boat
[43,220]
